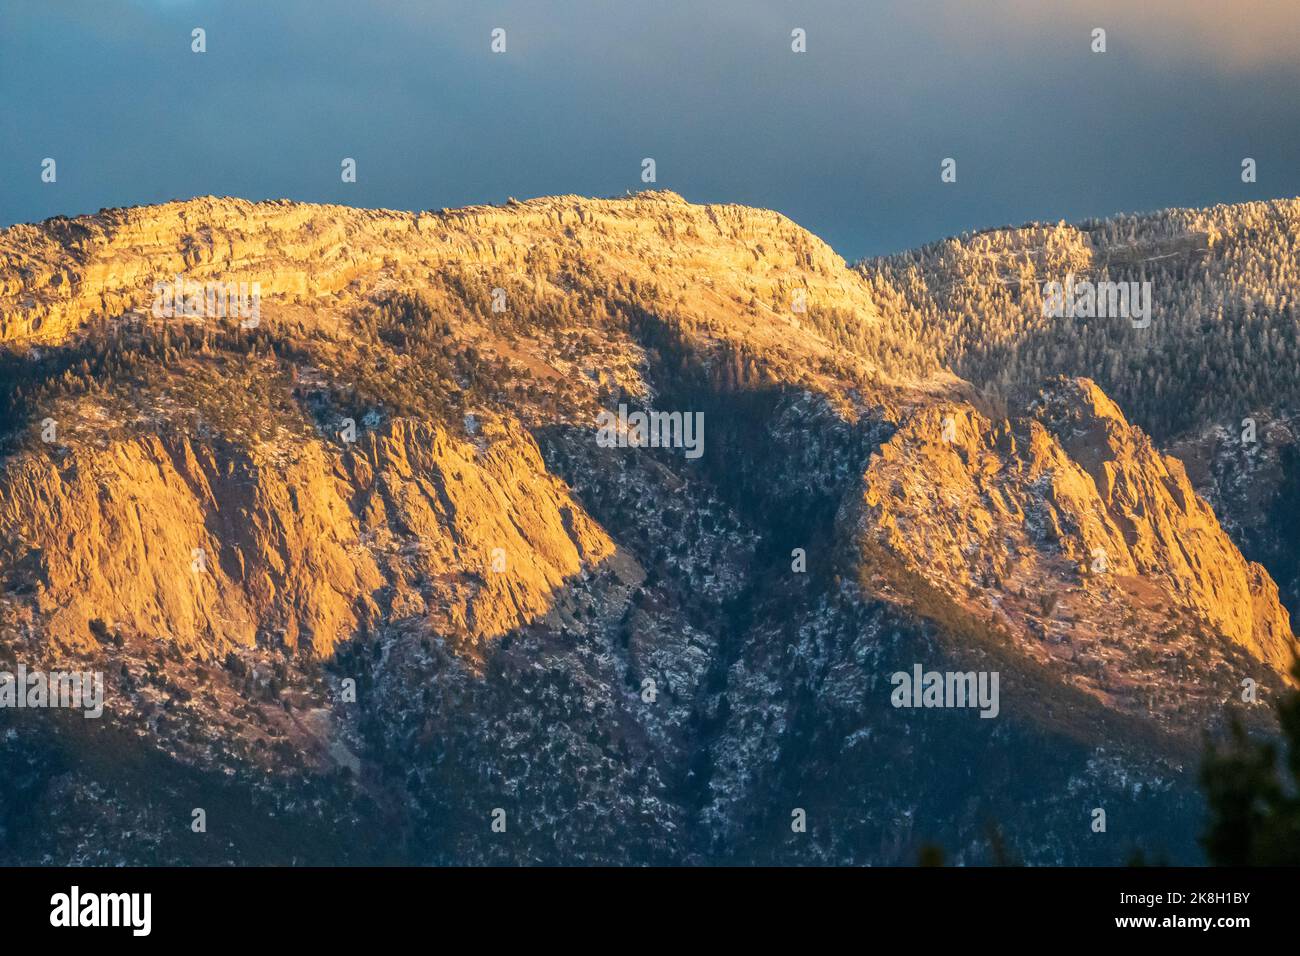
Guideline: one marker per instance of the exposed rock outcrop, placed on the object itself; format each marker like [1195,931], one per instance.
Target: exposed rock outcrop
[208,547]
[1065,522]
[395,479]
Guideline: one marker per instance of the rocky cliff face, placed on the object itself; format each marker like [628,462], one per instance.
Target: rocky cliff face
[213,549]
[370,551]
[1250,474]
[1064,526]
[61,273]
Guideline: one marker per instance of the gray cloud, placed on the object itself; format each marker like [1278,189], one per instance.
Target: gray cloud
[1235,36]
[846,139]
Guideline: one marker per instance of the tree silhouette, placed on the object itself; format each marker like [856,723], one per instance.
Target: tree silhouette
[1254,799]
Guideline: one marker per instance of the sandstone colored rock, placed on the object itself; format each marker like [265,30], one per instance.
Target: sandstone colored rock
[1067,498]
[209,549]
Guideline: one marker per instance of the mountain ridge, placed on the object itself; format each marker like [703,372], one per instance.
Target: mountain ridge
[393,478]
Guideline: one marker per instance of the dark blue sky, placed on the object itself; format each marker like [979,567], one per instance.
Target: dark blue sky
[846,139]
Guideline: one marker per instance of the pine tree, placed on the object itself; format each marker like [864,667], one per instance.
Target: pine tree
[1254,803]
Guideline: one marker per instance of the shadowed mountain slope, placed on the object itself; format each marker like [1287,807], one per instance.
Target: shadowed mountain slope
[362,556]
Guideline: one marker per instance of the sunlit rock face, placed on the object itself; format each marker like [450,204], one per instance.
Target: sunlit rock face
[362,555]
